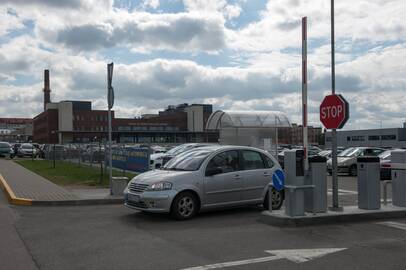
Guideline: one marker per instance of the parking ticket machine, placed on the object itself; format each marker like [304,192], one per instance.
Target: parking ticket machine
[295,173]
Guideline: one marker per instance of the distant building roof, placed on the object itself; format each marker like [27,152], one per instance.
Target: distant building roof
[15,120]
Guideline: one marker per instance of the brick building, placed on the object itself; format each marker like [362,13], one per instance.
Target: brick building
[75,121]
[15,129]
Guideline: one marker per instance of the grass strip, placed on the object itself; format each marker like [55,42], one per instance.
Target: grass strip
[66,173]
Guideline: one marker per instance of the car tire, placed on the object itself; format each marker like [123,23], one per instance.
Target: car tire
[353,170]
[277,200]
[184,206]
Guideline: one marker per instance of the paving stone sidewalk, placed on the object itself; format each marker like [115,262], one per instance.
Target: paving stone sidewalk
[28,185]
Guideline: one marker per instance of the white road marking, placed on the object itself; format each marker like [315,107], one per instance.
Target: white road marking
[392,224]
[344,192]
[294,255]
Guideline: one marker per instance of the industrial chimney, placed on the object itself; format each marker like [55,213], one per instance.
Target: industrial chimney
[47,89]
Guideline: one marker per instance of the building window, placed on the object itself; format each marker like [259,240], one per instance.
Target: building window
[358,138]
[388,137]
[373,138]
[124,128]
[348,138]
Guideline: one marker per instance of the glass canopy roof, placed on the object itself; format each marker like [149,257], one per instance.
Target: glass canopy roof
[247,119]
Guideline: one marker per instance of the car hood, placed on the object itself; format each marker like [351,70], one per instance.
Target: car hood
[156,156]
[155,176]
[340,160]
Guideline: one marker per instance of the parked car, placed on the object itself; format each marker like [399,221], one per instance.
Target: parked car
[27,150]
[386,167]
[206,178]
[159,159]
[6,150]
[347,159]
[325,153]
[311,152]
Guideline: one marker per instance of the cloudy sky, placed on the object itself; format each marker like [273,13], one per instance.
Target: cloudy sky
[236,54]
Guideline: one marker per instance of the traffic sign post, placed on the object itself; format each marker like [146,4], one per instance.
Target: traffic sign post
[334,113]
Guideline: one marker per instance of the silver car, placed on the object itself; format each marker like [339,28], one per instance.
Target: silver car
[347,159]
[206,178]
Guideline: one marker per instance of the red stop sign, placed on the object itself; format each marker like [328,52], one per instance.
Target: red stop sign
[334,112]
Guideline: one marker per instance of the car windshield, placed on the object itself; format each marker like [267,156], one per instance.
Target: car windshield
[4,145]
[350,152]
[188,161]
[385,155]
[324,153]
[178,149]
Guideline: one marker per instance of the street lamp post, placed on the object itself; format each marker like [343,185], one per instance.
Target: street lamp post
[110,104]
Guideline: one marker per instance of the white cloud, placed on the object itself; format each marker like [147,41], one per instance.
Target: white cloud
[265,56]
[144,31]
[151,3]
[279,27]
[9,21]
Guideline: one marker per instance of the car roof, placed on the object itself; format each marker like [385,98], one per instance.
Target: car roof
[216,147]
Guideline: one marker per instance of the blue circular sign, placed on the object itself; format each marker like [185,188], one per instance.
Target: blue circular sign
[278,180]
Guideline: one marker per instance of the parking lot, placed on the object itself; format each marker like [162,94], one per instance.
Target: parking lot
[114,237]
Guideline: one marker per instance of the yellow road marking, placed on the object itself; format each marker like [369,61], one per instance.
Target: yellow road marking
[11,196]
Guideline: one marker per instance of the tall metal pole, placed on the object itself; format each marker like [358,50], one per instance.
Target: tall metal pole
[276,136]
[110,157]
[110,99]
[335,206]
[304,91]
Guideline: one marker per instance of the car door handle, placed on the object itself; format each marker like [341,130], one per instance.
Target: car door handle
[266,174]
[236,177]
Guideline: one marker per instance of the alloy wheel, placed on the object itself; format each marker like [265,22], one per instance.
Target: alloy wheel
[186,206]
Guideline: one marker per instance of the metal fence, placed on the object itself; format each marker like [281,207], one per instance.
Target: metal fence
[91,154]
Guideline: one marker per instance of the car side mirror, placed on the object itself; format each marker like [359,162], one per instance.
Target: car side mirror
[213,171]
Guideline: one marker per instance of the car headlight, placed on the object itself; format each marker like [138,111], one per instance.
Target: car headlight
[160,186]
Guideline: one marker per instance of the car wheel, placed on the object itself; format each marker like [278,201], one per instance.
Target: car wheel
[353,170]
[184,206]
[277,200]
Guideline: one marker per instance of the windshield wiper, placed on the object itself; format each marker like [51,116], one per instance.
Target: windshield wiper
[177,169]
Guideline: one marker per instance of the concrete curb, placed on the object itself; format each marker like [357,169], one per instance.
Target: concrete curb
[11,196]
[281,220]
[79,202]
[13,199]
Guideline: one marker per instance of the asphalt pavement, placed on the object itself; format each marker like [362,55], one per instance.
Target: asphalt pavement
[114,237]
[14,253]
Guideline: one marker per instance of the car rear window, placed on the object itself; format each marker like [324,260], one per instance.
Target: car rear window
[252,160]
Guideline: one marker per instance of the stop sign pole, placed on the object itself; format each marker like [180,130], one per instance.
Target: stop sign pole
[335,206]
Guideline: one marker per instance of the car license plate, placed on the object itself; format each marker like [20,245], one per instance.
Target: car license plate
[134,198]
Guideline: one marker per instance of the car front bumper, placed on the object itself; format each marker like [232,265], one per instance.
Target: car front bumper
[152,201]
